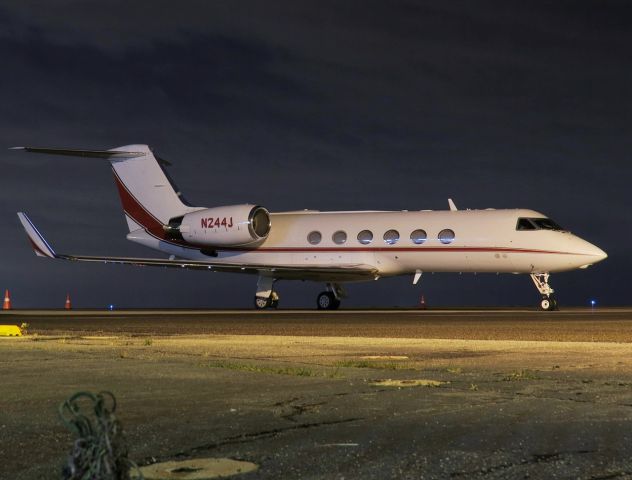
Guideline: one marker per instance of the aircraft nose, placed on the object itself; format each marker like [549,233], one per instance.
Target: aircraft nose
[596,253]
[599,254]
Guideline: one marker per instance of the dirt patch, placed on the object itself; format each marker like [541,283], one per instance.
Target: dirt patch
[406,383]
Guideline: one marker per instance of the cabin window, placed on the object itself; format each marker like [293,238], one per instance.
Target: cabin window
[391,237]
[314,237]
[525,224]
[418,236]
[365,237]
[339,237]
[446,236]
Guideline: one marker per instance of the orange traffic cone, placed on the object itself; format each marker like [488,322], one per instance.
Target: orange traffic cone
[7,300]
[68,305]
[422,303]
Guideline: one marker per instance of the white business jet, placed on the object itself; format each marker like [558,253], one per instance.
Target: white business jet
[330,247]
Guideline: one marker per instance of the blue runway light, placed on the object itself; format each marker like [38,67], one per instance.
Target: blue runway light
[593,303]
[111,307]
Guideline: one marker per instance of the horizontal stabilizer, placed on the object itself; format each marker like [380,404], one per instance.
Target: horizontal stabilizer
[38,242]
[71,152]
[81,153]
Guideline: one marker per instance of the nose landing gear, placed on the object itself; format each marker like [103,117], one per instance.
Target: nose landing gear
[548,303]
[541,282]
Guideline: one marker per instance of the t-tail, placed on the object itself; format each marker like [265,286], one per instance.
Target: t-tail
[149,197]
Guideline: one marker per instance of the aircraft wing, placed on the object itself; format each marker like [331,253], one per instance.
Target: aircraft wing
[339,272]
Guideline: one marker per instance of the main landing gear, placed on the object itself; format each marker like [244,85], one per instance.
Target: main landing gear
[541,281]
[330,299]
[266,297]
[327,301]
[271,302]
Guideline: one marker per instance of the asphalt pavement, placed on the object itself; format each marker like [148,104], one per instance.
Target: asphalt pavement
[347,394]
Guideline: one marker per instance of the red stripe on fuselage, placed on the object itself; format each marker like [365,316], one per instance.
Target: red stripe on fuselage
[393,249]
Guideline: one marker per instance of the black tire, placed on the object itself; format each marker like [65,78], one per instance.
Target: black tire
[548,304]
[262,303]
[325,300]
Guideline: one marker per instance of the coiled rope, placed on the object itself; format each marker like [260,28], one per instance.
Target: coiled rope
[99,452]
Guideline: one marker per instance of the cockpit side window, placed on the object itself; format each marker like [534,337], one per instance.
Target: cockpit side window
[525,224]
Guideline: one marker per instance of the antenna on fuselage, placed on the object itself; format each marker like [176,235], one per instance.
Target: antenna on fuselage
[452,205]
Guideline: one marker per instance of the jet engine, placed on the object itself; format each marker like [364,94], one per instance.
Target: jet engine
[230,226]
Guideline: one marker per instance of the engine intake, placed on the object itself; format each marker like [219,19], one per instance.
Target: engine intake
[230,226]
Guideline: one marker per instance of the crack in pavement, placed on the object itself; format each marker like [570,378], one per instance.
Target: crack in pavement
[301,409]
[247,437]
[569,399]
[542,397]
[611,475]
[287,402]
[534,459]
[295,408]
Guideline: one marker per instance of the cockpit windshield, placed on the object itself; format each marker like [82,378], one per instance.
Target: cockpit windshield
[547,224]
[537,224]
[525,224]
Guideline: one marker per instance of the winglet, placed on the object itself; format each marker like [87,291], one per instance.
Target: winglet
[38,242]
[452,205]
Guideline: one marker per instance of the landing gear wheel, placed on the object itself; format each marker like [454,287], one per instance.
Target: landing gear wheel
[262,303]
[327,301]
[545,304]
[548,304]
[541,282]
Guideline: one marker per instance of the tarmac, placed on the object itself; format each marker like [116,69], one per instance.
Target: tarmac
[346,394]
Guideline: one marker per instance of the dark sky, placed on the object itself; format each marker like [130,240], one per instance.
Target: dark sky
[331,105]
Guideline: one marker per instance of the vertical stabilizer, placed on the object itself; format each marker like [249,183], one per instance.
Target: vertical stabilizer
[148,196]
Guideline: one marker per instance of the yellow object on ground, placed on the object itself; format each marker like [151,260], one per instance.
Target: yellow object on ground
[10,331]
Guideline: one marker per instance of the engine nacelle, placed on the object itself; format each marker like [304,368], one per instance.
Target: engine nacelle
[230,226]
